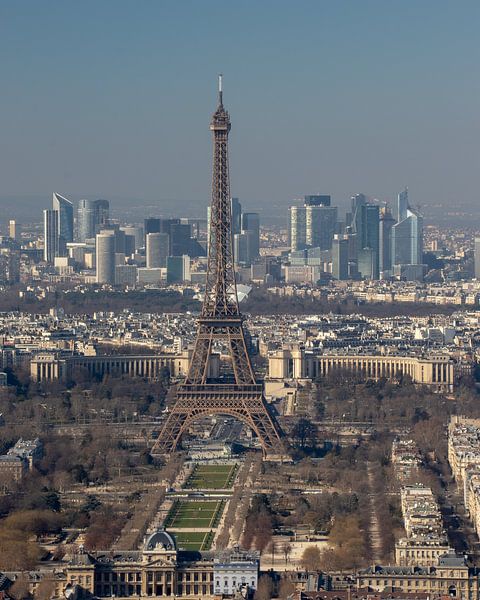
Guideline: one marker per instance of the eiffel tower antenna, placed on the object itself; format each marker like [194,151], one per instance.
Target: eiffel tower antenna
[237,394]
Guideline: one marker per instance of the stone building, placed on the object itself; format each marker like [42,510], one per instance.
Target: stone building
[19,459]
[297,363]
[451,576]
[54,366]
[159,570]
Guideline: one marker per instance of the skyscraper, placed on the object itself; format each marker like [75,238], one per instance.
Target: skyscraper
[105,257]
[151,225]
[236,215]
[178,268]
[400,212]
[298,228]
[136,231]
[365,224]
[64,210]
[50,234]
[242,248]
[180,238]
[340,257]
[92,215]
[313,224]
[157,250]
[13,230]
[320,221]
[251,225]
[317,200]
[367,263]
[407,240]
[385,242]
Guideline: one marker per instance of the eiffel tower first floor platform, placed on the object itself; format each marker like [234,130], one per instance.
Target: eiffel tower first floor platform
[243,402]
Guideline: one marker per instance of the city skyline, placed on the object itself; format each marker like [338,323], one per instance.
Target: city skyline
[335,109]
[276,396]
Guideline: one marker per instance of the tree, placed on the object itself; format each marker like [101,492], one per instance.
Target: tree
[17,552]
[264,589]
[20,588]
[37,522]
[349,541]
[45,590]
[304,434]
[286,588]
[272,547]
[311,558]
[263,534]
[286,551]
[329,560]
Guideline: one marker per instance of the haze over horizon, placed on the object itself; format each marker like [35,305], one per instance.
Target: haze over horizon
[113,99]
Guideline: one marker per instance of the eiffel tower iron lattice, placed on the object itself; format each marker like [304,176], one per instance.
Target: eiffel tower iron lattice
[238,395]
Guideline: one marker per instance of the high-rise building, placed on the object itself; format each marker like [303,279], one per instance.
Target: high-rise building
[13,230]
[243,244]
[64,210]
[157,250]
[251,225]
[92,215]
[366,228]
[317,200]
[180,239]
[400,212]
[367,263]
[137,232]
[407,240]
[314,224]
[9,266]
[130,246]
[151,225]
[385,242]
[477,258]
[340,257]
[178,268]
[50,234]
[126,275]
[236,208]
[105,256]
[321,221]
[298,228]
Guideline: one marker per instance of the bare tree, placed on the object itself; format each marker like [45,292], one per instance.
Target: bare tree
[45,590]
[286,551]
[311,558]
[265,588]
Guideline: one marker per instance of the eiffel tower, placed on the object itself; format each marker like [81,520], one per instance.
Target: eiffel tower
[237,394]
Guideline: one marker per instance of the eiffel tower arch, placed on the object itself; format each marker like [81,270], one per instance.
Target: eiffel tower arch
[238,393]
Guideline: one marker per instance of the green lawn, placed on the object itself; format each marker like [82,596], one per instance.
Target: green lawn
[192,540]
[191,514]
[212,477]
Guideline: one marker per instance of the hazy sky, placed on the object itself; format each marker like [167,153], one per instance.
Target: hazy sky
[113,98]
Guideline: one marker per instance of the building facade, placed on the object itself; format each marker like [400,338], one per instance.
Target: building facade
[296,363]
[64,209]
[105,257]
[158,570]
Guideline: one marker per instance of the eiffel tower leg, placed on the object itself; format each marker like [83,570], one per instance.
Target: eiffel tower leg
[170,434]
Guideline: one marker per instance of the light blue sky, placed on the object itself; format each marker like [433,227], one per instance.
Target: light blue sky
[113,98]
